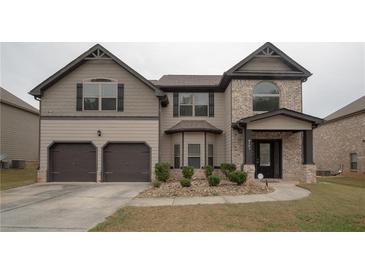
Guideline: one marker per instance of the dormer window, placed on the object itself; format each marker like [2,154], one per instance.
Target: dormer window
[266,97]
[100,94]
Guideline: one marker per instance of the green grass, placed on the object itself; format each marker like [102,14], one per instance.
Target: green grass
[11,178]
[350,181]
[330,207]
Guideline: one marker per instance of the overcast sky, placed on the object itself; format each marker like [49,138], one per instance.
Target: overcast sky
[338,68]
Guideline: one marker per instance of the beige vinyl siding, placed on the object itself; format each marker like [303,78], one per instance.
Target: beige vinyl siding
[19,133]
[280,122]
[86,130]
[228,123]
[265,64]
[60,99]
[167,121]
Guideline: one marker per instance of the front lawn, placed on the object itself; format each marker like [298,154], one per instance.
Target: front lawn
[350,181]
[11,178]
[330,207]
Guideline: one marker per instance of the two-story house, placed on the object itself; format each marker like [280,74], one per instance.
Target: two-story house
[102,121]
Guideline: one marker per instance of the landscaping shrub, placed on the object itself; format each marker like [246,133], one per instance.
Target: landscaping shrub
[184,182]
[213,180]
[238,177]
[156,184]
[162,171]
[208,170]
[227,168]
[188,172]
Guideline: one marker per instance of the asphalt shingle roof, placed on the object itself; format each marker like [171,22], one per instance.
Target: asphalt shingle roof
[7,97]
[172,80]
[355,106]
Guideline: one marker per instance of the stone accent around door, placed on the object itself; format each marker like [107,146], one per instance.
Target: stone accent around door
[309,175]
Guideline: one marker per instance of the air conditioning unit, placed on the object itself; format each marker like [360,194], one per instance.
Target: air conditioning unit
[19,164]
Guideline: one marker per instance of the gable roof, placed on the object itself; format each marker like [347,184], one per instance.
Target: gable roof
[176,80]
[7,98]
[289,69]
[353,108]
[268,50]
[283,111]
[97,51]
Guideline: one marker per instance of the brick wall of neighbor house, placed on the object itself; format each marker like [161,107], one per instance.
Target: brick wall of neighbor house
[19,133]
[168,121]
[334,141]
[86,130]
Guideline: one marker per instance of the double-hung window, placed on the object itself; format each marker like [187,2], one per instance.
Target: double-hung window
[100,95]
[210,155]
[176,156]
[193,104]
[353,164]
[194,155]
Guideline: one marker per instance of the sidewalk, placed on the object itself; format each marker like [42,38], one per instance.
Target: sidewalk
[283,192]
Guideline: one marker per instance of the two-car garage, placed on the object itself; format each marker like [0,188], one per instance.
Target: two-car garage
[120,162]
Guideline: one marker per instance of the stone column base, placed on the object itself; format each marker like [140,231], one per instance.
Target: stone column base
[250,169]
[309,175]
[42,176]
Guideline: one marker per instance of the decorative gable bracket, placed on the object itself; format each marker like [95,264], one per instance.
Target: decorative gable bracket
[98,54]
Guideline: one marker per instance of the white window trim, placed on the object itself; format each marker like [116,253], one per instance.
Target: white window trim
[113,82]
[200,160]
[193,104]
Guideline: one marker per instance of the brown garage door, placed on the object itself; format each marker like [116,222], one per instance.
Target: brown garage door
[126,162]
[72,162]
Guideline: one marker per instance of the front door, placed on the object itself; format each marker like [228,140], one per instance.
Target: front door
[268,158]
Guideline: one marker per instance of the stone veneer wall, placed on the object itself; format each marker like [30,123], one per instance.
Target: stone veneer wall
[242,94]
[290,98]
[292,161]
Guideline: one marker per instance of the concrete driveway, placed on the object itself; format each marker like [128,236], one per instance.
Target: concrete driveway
[63,206]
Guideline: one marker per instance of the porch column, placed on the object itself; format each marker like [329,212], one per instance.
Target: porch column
[248,147]
[308,147]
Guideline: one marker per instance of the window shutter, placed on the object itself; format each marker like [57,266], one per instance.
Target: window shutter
[176,104]
[211,104]
[120,97]
[79,97]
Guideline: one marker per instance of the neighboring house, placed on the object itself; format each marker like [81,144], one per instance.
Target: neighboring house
[102,121]
[340,141]
[19,129]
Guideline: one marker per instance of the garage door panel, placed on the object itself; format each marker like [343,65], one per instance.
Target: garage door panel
[73,162]
[126,162]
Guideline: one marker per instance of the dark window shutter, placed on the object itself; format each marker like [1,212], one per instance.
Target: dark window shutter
[176,104]
[120,97]
[211,104]
[79,97]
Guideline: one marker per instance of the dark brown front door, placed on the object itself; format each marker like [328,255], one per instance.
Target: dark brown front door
[72,162]
[268,158]
[126,162]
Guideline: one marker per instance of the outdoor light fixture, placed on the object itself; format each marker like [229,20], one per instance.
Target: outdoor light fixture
[99,132]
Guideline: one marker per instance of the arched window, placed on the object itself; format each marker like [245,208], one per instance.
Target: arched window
[266,97]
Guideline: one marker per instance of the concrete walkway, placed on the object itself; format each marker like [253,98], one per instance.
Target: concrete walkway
[283,192]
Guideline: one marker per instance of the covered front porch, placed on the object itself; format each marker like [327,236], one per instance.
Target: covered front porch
[279,145]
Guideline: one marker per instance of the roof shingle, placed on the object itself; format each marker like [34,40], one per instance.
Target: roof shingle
[356,106]
[7,97]
[188,80]
[193,126]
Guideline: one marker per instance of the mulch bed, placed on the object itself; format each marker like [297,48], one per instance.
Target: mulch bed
[200,187]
